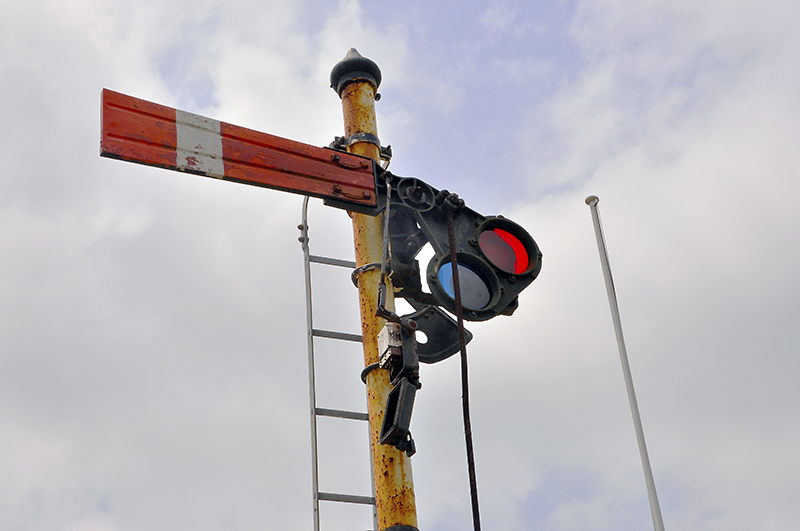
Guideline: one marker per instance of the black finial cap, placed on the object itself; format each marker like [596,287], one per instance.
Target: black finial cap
[354,67]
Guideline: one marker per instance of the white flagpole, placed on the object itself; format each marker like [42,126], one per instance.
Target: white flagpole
[655,510]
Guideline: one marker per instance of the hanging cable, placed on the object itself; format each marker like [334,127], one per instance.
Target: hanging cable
[381,310]
[451,203]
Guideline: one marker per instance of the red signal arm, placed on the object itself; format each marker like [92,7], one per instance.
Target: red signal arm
[140,131]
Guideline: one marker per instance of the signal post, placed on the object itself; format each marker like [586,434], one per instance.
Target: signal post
[356,79]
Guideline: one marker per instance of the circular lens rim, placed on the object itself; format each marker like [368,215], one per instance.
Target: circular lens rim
[534,254]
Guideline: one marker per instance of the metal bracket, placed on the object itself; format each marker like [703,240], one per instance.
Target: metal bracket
[441,331]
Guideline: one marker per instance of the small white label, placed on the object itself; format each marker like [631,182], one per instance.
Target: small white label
[199,144]
[389,343]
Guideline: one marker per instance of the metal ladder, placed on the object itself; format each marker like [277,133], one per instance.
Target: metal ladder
[315,411]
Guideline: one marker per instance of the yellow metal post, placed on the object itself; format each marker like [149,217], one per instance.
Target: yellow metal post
[356,79]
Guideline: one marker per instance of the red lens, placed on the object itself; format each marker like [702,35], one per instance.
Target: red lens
[504,250]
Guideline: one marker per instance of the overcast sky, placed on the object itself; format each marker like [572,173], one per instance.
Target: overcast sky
[152,326]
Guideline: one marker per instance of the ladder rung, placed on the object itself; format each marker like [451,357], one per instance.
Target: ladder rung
[336,335]
[332,261]
[338,413]
[346,498]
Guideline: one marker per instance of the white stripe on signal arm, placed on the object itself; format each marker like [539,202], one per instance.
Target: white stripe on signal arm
[199,144]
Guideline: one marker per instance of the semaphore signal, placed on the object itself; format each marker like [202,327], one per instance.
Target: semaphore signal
[480,264]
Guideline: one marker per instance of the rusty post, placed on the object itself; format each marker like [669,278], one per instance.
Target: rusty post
[356,80]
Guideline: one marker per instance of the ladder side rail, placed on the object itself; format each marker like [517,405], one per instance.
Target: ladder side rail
[312,397]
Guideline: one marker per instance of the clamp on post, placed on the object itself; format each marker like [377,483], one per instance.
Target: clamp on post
[375,266]
[341,143]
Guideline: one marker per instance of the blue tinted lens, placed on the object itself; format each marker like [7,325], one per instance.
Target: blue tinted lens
[475,293]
